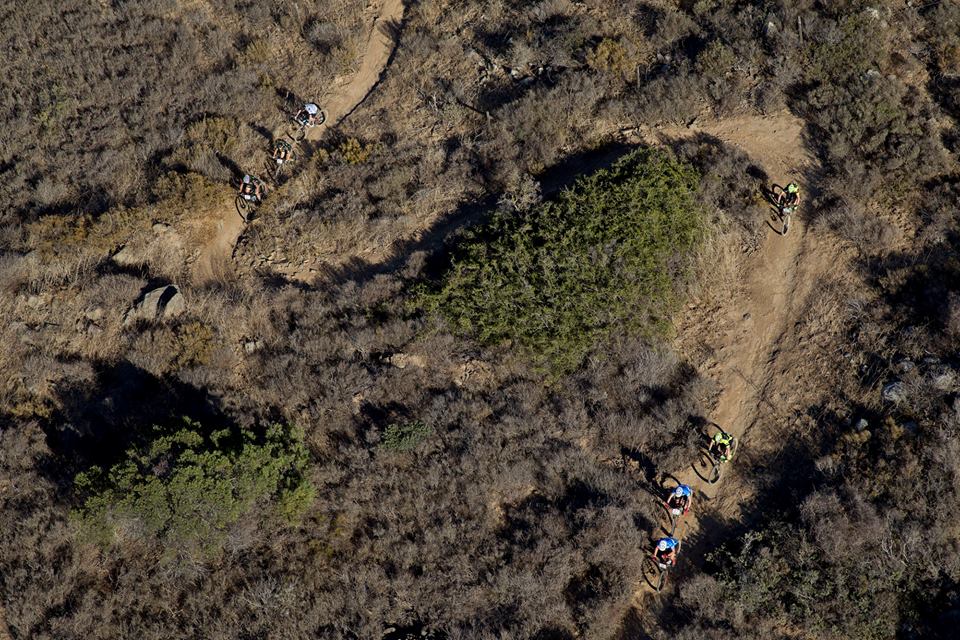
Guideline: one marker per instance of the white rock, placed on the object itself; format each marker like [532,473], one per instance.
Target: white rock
[163,302]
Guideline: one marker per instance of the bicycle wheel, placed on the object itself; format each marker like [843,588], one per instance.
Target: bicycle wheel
[785,218]
[321,118]
[653,574]
[733,448]
[241,204]
[299,133]
[710,467]
[668,523]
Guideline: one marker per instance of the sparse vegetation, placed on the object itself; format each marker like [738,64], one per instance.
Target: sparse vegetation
[440,479]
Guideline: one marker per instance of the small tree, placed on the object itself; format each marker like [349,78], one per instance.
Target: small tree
[186,487]
[406,436]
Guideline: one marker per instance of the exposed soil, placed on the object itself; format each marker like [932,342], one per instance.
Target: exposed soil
[748,342]
[215,259]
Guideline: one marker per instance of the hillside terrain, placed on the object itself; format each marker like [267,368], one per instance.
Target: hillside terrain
[437,382]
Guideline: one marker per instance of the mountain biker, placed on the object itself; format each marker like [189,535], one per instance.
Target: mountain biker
[281,151]
[253,187]
[666,552]
[720,446]
[680,498]
[789,198]
[307,116]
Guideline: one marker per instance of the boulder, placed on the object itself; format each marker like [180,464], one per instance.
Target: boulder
[942,378]
[125,257]
[161,303]
[894,392]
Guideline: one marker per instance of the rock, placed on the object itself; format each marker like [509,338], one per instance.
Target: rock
[252,346]
[126,257]
[943,378]
[894,392]
[403,360]
[95,315]
[163,302]
[906,366]
[161,227]
[94,330]
[861,425]
[35,302]
[175,306]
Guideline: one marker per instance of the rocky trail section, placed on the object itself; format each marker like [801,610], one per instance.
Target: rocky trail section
[340,101]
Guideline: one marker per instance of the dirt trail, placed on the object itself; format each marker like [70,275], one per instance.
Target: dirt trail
[341,101]
[749,340]
[769,275]
[216,257]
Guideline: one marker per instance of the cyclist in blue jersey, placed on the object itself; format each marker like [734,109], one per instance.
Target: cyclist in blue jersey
[666,553]
[680,499]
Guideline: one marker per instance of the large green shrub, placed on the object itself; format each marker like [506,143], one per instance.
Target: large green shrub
[187,486]
[604,255]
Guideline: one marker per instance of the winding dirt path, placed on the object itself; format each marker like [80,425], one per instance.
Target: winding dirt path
[749,338]
[215,259]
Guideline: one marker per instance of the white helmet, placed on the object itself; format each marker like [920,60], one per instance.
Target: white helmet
[311,108]
[678,492]
[246,179]
[662,545]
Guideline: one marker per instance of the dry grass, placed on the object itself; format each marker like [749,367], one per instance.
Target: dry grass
[716,265]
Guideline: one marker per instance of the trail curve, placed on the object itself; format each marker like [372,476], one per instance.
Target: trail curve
[215,258]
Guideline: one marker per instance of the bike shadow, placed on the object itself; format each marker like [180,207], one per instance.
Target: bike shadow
[702,470]
[770,195]
[779,231]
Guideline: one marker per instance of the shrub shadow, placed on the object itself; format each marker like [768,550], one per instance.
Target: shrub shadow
[99,420]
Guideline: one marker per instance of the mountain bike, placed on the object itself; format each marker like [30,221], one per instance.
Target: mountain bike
[276,164]
[778,197]
[655,571]
[242,203]
[300,125]
[245,202]
[673,515]
[711,460]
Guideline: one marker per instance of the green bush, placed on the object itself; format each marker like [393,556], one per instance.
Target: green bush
[606,254]
[403,437]
[187,486]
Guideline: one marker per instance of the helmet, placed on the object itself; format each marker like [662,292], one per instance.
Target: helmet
[678,491]
[246,179]
[662,545]
[311,108]
[793,188]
